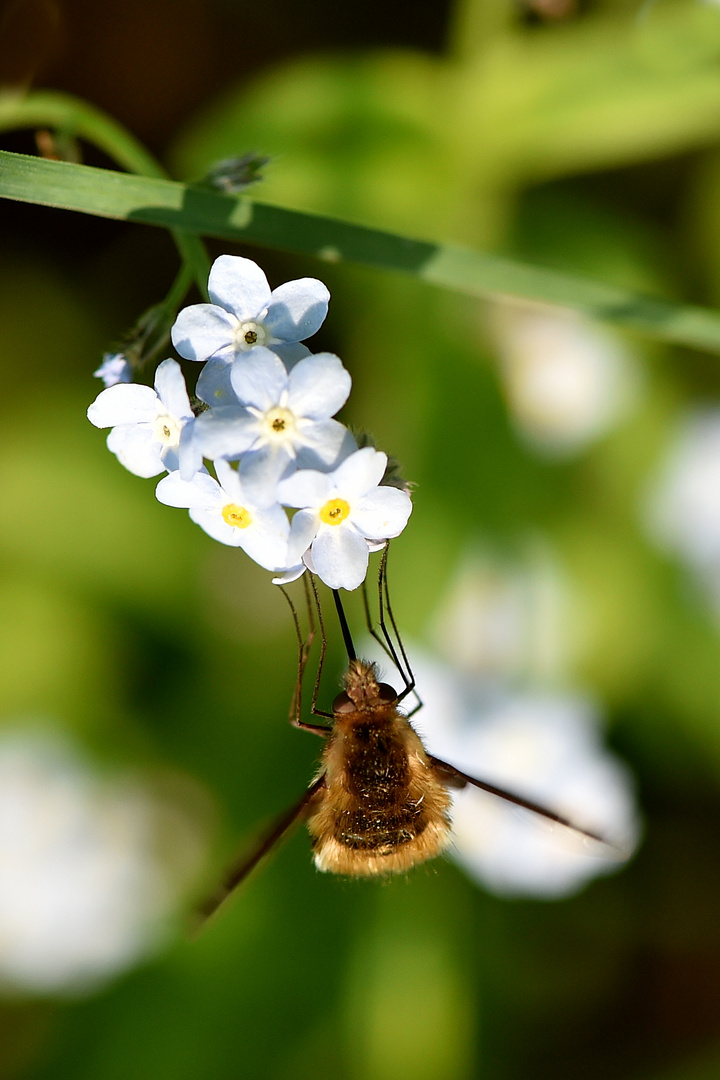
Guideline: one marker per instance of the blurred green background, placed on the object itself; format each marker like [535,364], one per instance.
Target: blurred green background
[583,136]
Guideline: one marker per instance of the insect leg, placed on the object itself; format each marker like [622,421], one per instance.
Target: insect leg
[321,660]
[303,653]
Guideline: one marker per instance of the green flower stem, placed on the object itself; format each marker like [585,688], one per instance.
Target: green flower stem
[75,118]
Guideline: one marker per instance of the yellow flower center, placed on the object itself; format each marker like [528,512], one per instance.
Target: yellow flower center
[249,334]
[279,423]
[236,515]
[334,511]
[167,430]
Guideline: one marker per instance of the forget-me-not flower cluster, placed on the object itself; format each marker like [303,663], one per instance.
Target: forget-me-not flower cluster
[266,429]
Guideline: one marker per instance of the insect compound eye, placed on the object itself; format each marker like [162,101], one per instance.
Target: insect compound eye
[387,693]
[343,704]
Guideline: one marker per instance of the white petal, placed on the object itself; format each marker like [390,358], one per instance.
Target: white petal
[303,531]
[290,575]
[171,389]
[340,555]
[203,491]
[124,403]
[306,487]
[203,330]
[297,309]
[260,471]
[360,472]
[214,524]
[259,378]
[322,443]
[189,453]
[266,539]
[382,513]
[227,431]
[291,353]
[137,449]
[318,386]
[238,285]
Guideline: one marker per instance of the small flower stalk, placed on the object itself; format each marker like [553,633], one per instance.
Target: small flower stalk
[265,466]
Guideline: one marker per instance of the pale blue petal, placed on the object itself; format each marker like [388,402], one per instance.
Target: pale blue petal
[136,447]
[291,354]
[382,513]
[227,431]
[306,487]
[203,492]
[124,403]
[340,555]
[115,368]
[171,389]
[239,285]
[189,453]
[214,386]
[204,330]
[230,482]
[303,530]
[321,445]
[360,472]
[318,386]
[259,378]
[260,471]
[297,309]
[170,457]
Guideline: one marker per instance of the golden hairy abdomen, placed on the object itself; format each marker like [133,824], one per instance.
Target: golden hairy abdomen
[383,809]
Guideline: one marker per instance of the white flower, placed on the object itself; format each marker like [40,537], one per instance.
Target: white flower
[283,420]
[683,511]
[568,380]
[244,313]
[505,619]
[224,511]
[84,888]
[546,747]
[115,368]
[340,512]
[146,423]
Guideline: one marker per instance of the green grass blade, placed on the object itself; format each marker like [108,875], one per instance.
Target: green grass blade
[154,201]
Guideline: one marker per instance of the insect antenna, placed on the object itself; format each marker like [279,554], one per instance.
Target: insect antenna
[252,856]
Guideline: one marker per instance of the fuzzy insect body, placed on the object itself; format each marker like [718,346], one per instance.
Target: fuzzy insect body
[381,807]
[379,803]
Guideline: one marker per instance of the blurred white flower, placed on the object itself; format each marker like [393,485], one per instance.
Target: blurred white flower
[682,511]
[503,619]
[88,882]
[540,746]
[568,380]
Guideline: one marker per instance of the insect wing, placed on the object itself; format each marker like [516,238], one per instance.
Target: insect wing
[264,843]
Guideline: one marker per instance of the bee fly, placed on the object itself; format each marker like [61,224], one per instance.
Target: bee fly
[379,803]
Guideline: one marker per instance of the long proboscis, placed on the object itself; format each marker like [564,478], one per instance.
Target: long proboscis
[456,778]
[254,854]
